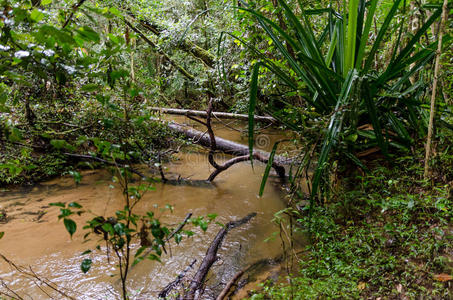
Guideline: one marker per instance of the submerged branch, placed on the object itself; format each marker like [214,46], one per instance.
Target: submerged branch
[211,256]
[90,157]
[163,294]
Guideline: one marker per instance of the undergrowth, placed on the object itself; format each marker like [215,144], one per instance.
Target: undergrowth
[386,235]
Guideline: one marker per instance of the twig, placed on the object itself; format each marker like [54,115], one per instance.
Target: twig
[230,284]
[220,168]
[74,9]
[178,229]
[83,156]
[211,255]
[163,294]
[16,296]
[41,279]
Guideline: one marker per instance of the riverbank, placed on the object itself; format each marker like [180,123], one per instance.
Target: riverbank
[386,235]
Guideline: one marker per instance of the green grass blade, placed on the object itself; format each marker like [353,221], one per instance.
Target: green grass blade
[340,49]
[332,46]
[332,133]
[268,168]
[372,112]
[306,35]
[357,161]
[381,34]
[410,45]
[252,106]
[399,128]
[365,33]
[412,71]
[269,64]
[323,36]
[351,36]
[312,77]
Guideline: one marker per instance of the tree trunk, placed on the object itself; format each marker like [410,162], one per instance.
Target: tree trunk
[184,45]
[223,145]
[202,113]
[433,93]
[156,48]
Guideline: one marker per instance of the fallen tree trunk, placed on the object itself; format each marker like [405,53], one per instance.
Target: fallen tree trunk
[229,285]
[158,49]
[202,113]
[184,44]
[222,145]
[211,256]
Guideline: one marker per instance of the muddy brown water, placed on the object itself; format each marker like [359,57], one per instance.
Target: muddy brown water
[37,241]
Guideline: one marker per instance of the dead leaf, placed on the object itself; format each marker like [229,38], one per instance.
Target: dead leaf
[399,288]
[442,277]
[361,286]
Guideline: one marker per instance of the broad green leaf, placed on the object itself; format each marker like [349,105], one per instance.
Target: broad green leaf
[88,34]
[74,205]
[62,144]
[36,15]
[77,178]
[86,265]
[86,252]
[115,11]
[70,225]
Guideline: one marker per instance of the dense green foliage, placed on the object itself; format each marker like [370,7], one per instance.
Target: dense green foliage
[386,233]
[78,80]
[331,70]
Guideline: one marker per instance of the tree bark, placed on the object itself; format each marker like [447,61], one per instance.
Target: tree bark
[184,45]
[202,113]
[211,256]
[433,93]
[223,145]
[229,285]
[156,48]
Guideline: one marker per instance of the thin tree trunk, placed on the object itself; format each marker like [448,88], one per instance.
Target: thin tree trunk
[433,93]
[156,48]
[132,60]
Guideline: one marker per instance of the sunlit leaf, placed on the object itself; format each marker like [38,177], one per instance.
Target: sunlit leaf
[70,225]
[86,265]
[36,15]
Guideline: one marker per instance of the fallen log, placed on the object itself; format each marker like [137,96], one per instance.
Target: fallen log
[202,113]
[223,145]
[211,256]
[220,168]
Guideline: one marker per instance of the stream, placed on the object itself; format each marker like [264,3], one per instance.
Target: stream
[36,240]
